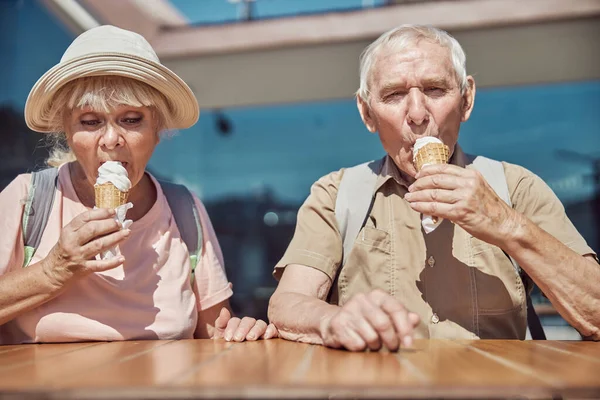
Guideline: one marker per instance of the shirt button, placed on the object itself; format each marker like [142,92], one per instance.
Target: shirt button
[435,319]
[431,261]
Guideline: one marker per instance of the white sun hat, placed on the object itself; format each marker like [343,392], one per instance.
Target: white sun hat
[108,50]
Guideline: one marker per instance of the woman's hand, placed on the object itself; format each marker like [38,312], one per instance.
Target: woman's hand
[74,255]
[238,330]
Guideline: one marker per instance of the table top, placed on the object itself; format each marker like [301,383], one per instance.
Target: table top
[280,369]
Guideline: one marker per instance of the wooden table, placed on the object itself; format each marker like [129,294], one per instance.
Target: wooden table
[280,369]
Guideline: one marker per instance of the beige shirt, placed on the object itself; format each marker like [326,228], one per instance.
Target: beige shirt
[460,286]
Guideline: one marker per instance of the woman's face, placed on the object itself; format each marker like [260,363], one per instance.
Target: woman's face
[126,134]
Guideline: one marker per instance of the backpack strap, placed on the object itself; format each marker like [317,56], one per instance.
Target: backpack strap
[187,218]
[353,202]
[36,212]
[493,172]
[355,197]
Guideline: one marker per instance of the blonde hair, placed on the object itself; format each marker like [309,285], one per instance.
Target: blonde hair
[101,93]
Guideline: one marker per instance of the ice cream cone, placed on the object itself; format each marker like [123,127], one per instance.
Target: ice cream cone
[431,153]
[109,196]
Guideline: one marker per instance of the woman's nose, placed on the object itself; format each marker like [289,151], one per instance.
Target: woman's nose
[111,137]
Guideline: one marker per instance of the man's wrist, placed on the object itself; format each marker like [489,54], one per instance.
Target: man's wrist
[325,323]
[514,232]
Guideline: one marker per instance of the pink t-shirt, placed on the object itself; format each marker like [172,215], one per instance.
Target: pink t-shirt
[150,296]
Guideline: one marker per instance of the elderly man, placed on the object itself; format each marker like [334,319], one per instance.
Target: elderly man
[463,279]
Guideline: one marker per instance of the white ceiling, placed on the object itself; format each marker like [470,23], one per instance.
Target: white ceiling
[518,55]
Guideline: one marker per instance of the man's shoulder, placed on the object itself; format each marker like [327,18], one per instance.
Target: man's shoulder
[333,179]
[511,171]
[516,170]
[517,175]
[526,187]
[327,186]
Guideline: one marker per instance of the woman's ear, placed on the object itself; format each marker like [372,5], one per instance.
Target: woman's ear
[366,114]
[468,99]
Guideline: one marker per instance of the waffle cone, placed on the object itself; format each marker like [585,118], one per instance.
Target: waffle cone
[109,196]
[431,153]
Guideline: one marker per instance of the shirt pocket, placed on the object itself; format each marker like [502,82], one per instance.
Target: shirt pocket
[368,264]
[498,284]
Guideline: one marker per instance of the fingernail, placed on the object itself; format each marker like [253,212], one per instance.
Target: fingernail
[121,259]
[407,341]
[228,337]
[238,337]
[251,336]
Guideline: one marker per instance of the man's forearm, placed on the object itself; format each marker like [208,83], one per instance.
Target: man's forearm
[299,317]
[569,280]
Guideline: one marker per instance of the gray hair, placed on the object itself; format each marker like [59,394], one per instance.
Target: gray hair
[402,36]
[102,93]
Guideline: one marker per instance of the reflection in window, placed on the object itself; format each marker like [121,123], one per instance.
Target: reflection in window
[227,11]
[254,176]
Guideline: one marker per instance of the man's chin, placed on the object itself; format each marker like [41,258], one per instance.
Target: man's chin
[405,165]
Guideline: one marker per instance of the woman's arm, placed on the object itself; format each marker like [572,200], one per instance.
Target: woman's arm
[89,233]
[217,322]
[25,289]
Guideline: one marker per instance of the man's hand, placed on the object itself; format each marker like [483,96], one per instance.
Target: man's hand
[235,329]
[370,321]
[464,197]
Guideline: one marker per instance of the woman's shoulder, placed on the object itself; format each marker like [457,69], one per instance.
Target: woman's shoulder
[18,187]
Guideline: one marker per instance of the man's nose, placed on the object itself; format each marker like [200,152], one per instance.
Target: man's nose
[111,137]
[417,111]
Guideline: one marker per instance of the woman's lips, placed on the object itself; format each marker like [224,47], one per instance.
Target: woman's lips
[123,163]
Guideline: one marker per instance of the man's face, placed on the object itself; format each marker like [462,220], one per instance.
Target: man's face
[415,93]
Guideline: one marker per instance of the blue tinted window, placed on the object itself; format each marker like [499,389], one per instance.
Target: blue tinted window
[253,167]
[222,11]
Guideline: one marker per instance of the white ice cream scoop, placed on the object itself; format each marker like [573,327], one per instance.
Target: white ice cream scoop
[115,173]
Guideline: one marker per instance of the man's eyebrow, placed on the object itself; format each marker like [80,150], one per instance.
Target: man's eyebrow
[392,86]
[434,81]
[438,81]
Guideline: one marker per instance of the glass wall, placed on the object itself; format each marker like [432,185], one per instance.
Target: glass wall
[253,167]
[226,11]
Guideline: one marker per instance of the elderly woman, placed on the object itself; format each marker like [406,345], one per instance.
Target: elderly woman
[110,97]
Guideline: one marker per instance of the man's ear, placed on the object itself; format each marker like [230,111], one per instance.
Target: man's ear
[468,99]
[365,114]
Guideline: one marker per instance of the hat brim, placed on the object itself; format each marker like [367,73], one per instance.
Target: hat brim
[183,105]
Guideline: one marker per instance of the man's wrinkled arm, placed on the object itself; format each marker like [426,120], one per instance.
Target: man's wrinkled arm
[569,280]
[298,308]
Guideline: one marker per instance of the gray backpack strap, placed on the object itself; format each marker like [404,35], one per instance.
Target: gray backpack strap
[187,218]
[353,201]
[38,206]
[493,173]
